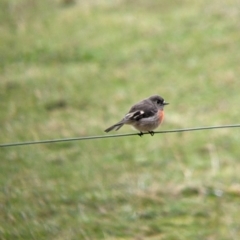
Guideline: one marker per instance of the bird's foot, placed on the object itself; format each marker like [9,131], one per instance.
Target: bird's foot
[151,132]
[140,134]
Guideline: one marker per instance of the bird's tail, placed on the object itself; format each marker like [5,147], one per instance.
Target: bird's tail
[115,127]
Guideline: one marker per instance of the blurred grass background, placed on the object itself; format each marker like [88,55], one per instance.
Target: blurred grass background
[72,68]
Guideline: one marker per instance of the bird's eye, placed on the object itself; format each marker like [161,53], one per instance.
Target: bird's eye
[159,101]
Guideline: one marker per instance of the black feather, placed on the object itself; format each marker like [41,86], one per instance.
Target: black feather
[137,115]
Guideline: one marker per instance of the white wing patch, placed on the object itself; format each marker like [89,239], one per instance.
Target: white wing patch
[137,115]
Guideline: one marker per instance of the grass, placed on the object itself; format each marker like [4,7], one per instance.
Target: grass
[73,68]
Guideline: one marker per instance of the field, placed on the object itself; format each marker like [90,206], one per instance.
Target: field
[73,68]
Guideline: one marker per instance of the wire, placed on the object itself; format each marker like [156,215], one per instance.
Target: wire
[115,135]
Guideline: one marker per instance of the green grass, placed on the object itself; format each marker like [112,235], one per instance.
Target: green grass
[73,68]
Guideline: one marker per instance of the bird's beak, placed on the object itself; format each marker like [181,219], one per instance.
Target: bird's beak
[165,103]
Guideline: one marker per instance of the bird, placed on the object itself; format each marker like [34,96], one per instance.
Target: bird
[145,116]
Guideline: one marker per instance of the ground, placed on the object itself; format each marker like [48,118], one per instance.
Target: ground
[72,69]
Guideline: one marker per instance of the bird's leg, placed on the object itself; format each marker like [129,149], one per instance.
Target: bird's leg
[140,134]
[151,132]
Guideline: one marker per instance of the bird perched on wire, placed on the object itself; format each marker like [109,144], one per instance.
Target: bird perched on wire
[145,116]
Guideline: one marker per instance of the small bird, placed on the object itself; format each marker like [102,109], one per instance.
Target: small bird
[145,116]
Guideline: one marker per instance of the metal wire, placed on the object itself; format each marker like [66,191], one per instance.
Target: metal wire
[115,135]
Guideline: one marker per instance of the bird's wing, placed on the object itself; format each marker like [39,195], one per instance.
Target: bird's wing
[143,109]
